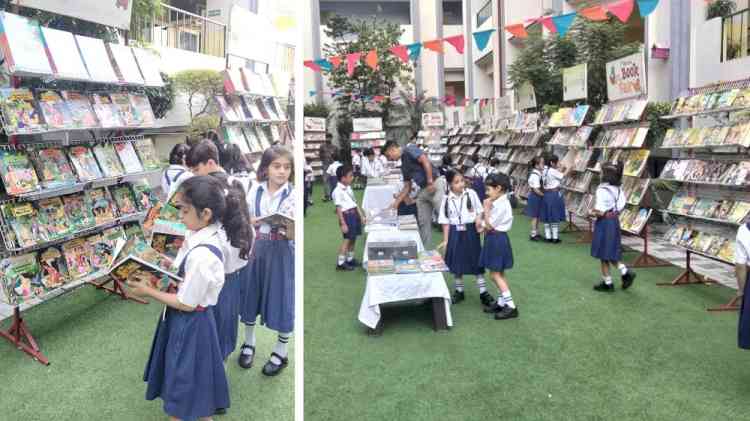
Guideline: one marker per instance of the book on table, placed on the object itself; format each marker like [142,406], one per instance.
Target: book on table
[432,261]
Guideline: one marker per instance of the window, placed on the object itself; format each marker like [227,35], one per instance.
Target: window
[452,13]
[735,35]
[484,14]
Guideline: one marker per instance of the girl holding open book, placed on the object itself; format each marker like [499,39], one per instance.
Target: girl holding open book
[268,288]
[185,364]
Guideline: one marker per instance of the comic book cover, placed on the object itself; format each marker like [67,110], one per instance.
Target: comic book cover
[23,220]
[52,217]
[167,244]
[78,254]
[54,270]
[103,247]
[101,205]
[727,251]
[636,162]
[53,168]
[18,173]
[55,111]
[79,211]
[81,112]
[130,115]
[84,163]
[134,230]
[147,154]
[21,278]
[739,212]
[107,112]
[108,160]
[145,197]
[143,109]
[20,113]
[128,157]
[124,199]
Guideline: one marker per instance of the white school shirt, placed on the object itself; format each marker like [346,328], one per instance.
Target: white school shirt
[343,197]
[457,207]
[535,179]
[332,168]
[232,260]
[609,198]
[372,168]
[552,178]
[356,160]
[501,214]
[742,248]
[170,173]
[269,204]
[204,271]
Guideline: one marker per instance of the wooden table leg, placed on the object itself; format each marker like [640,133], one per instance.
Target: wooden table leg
[439,320]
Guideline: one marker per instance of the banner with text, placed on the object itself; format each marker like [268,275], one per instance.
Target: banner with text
[626,77]
[575,82]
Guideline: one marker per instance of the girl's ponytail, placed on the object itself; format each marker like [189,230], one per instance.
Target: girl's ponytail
[236,220]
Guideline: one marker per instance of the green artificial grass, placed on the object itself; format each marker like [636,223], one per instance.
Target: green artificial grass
[98,346]
[649,353]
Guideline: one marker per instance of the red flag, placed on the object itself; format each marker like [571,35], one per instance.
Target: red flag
[351,62]
[622,9]
[372,59]
[335,61]
[518,30]
[435,45]
[450,100]
[596,13]
[311,64]
[400,52]
[457,42]
[548,23]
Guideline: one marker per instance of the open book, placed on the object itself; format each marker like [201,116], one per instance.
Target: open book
[135,259]
[277,220]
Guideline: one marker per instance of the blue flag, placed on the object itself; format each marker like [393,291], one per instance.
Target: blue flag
[646,7]
[414,50]
[482,38]
[563,22]
[324,64]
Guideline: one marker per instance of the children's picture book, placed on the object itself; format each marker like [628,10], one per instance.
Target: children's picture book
[407,266]
[380,267]
[55,110]
[81,111]
[167,244]
[279,109]
[54,270]
[102,205]
[97,60]
[167,220]
[262,108]
[128,112]
[78,254]
[64,53]
[137,259]
[20,112]
[84,163]
[636,162]
[147,153]
[133,230]
[21,278]
[108,160]
[263,137]
[18,173]
[278,220]
[23,47]
[255,112]
[79,211]
[143,109]
[103,247]
[739,212]
[124,199]
[432,261]
[124,64]
[145,197]
[130,162]
[270,107]
[23,220]
[52,217]
[107,112]
[53,168]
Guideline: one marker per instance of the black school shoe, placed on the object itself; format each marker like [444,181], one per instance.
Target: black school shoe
[354,263]
[494,308]
[627,279]
[556,241]
[458,296]
[271,369]
[603,287]
[535,237]
[246,361]
[344,267]
[506,313]
[486,299]
[220,411]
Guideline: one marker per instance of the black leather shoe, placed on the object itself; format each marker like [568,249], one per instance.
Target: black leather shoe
[627,279]
[603,287]
[344,267]
[556,241]
[494,308]
[353,263]
[220,411]
[271,369]
[486,299]
[244,360]
[458,296]
[535,237]
[507,313]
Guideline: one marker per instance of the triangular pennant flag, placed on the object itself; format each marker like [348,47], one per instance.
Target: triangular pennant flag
[622,9]
[518,30]
[311,64]
[596,13]
[450,100]
[457,42]
[400,52]
[372,59]
[312,93]
[351,62]
[324,64]
[482,38]
[646,7]
[335,61]
[435,45]
[548,23]
[414,50]
[563,22]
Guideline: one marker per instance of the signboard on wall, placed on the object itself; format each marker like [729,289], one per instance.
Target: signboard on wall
[525,96]
[314,124]
[575,82]
[373,124]
[433,120]
[503,107]
[106,12]
[626,77]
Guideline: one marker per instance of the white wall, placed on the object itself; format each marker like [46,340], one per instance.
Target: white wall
[658,27]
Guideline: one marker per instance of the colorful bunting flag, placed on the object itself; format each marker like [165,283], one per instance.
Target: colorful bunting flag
[400,52]
[351,62]
[595,13]
[482,38]
[311,64]
[548,23]
[457,42]
[335,61]
[435,45]
[372,59]
[646,7]
[414,50]
[324,64]
[563,22]
[622,9]
[518,30]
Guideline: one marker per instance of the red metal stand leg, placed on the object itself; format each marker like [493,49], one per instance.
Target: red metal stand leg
[687,277]
[732,305]
[570,226]
[645,260]
[117,289]
[20,336]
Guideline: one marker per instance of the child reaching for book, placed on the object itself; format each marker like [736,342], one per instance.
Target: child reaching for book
[497,254]
[606,245]
[185,364]
[268,289]
[459,216]
[553,204]
[534,204]
[349,215]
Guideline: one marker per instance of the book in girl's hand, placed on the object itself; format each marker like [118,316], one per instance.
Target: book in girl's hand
[21,278]
[20,113]
[55,110]
[108,160]
[136,260]
[17,172]
[53,168]
[277,220]
[128,157]
[81,111]
[84,163]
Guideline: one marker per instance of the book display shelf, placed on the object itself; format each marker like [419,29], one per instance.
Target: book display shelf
[314,136]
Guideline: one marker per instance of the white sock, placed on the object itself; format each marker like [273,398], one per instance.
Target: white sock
[555,231]
[608,280]
[341,259]
[481,285]
[350,256]
[547,231]
[500,300]
[249,338]
[623,268]
[534,233]
[281,347]
[459,284]
[508,299]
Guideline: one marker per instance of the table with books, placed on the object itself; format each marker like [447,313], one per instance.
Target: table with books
[378,195]
[390,281]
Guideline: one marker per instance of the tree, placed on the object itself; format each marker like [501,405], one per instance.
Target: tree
[200,87]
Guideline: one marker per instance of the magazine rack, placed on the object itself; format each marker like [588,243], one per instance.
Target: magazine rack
[314,137]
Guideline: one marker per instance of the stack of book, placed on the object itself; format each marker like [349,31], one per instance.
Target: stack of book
[407,222]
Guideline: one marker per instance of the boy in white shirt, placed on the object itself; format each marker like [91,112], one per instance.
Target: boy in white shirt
[349,215]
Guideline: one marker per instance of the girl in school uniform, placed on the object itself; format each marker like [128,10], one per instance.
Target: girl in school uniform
[268,288]
[459,214]
[553,204]
[177,170]
[350,218]
[497,254]
[742,271]
[606,245]
[185,365]
[534,203]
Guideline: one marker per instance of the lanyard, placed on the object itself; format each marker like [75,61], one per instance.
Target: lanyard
[614,207]
[259,195]
[460,207]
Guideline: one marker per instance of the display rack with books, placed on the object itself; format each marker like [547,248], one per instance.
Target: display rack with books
[367,133]
[516,140]
[314,136]
[711,169]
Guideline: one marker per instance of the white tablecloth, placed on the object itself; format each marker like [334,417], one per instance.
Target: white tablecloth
[383,289]
[378,197]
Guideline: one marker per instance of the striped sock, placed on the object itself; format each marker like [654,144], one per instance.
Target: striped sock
[481,285]
[508,299]
[459,284]
[555,231]
[249,338]
[547,231]
[350,256]
[500,299]
[281,347]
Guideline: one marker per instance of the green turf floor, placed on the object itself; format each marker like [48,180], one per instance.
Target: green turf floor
[98,346]
[647,353]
